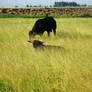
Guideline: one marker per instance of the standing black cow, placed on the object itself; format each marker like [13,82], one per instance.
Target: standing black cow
[46,24]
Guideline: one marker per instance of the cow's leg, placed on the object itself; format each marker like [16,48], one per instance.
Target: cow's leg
[41,35]
[54,30]
[48,33]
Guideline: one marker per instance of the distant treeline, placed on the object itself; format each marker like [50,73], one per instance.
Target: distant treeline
[57,4]
[64,4]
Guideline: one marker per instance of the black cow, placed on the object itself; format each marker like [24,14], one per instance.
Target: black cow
[46,24]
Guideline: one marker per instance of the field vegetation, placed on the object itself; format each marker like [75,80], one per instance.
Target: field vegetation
[24,69]
[42,16]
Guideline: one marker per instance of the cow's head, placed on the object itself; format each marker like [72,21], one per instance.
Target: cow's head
[31,34]
[36,43]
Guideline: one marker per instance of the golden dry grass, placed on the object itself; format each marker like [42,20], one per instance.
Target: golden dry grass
[23,69]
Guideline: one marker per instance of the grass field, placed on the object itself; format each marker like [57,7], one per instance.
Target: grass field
[23,69]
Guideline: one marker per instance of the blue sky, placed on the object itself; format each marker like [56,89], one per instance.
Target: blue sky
[22,3]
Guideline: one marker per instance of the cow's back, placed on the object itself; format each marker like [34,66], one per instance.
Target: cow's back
[47,23]
[44,24]
[52,22]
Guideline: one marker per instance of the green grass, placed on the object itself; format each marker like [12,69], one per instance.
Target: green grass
[42,16]
[27,16]
[21,16]
[23,69]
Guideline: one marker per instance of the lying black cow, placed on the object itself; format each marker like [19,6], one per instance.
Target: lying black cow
[46,24]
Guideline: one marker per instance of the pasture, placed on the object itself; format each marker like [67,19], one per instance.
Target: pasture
[23,69]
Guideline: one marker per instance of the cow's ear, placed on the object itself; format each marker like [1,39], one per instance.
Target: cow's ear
[29,41]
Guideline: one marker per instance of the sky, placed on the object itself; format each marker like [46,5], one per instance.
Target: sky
[23,3]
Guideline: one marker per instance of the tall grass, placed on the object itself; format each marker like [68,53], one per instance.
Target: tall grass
[24,69]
